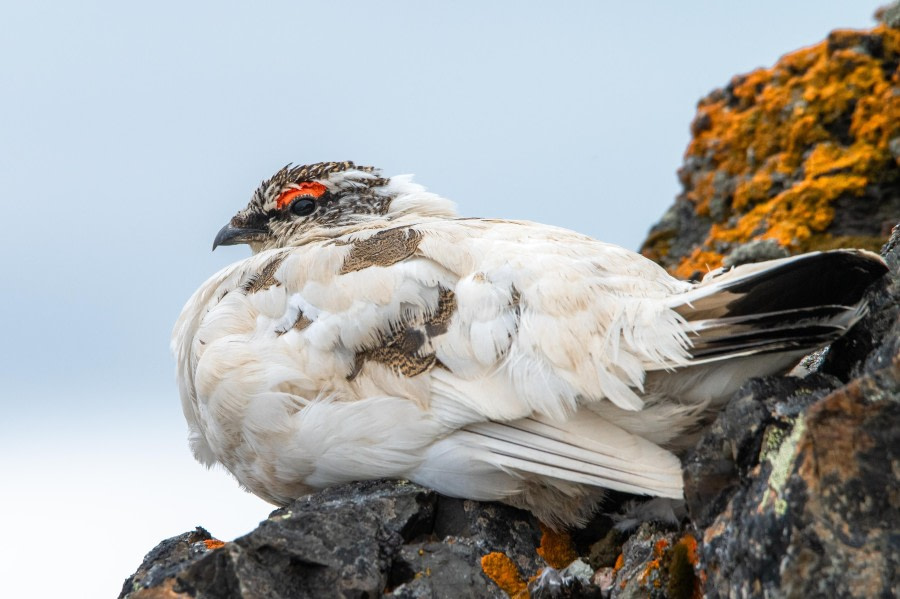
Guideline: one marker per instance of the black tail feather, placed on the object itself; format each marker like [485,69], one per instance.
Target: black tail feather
[802,302]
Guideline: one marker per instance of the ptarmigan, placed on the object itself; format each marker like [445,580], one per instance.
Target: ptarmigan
[376,334]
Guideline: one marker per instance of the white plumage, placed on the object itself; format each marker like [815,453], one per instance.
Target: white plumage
[383,336]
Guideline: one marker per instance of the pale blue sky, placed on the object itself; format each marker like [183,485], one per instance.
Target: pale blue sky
[130,134]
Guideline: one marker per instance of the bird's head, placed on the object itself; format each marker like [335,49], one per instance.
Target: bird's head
[326,199]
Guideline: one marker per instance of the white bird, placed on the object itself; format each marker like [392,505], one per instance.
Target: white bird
[374,334]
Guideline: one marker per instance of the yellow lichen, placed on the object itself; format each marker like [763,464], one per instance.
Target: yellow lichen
[556,548]
[821,120]
[505,574]
[781,461]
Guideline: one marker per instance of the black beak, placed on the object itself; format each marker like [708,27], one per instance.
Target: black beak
[229,235]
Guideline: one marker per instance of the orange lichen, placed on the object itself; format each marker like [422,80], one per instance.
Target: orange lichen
[702,193]
[690,544]
[752,190]
[505,574]
[792,216]
[651,574]
[556,548]
[820,121]
[699,263]
[213,543]
[620,562]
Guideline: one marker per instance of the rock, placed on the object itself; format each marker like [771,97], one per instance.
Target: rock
[755,251]
[802,155]
[795,485]
[165,560]
[604,552]
[491,527]
[758,417]
[889,15]
[819,516]
[656,562]
[439,569]
[369,538]
[641,571]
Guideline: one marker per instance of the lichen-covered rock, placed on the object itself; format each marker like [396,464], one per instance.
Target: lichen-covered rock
[370,538]
[656,561]
[805,154]
[440,569]
[155,577]
[757,418]
[819,517]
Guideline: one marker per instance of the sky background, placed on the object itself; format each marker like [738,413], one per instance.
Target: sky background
[130,134]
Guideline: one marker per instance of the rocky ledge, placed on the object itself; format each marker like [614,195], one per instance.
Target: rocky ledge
[364,539]
[792,492]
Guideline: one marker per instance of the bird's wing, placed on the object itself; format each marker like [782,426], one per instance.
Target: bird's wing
[560,316]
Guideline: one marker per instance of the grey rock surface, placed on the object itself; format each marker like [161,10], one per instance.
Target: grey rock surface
[363,539]
[809,501]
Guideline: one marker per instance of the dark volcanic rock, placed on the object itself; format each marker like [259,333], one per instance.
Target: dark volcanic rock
[440,569]
[817,513]
[490,527]
[166,560]
[363,539]
[819,517]
[759,415]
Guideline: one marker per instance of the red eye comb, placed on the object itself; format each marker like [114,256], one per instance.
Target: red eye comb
[309,188]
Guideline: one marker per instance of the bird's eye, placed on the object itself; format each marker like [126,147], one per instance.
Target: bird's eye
[303,206]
